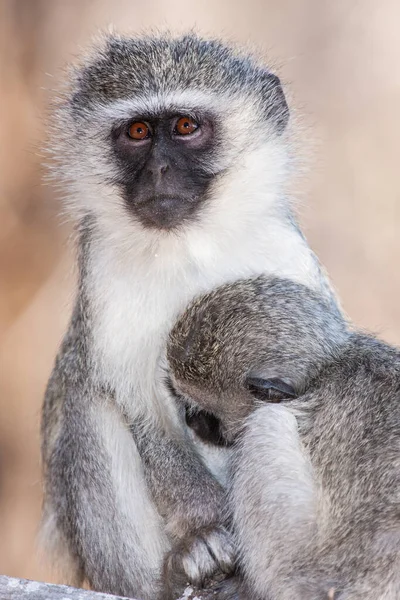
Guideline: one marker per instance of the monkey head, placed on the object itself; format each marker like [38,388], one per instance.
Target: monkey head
[252,341]
[153,129]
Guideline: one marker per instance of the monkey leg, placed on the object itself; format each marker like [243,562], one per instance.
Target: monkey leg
[97,500]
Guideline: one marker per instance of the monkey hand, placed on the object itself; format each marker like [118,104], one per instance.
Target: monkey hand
[196,559]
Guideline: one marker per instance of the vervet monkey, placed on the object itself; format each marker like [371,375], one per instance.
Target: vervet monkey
[174,155]
[312,409]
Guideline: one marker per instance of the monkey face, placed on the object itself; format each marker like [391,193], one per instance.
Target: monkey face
[180,136]
[164,166]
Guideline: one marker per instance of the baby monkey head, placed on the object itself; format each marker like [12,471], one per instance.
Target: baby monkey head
[152,124]
[258,340]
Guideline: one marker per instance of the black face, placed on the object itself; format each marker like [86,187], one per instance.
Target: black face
[206,426]
[165,167]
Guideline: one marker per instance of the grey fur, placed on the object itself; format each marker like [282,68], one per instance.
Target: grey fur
[315,490]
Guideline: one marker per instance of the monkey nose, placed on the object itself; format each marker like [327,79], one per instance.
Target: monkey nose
[157,172]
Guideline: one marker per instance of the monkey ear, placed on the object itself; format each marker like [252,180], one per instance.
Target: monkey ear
[270,390]
[275,105]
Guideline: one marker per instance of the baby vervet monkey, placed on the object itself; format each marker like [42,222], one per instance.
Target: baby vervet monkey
[175,158]
[312,411]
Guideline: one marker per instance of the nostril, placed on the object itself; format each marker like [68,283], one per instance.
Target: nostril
[163,169]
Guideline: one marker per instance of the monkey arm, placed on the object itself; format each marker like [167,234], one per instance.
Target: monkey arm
[273,500]
[192,503]
[185,492]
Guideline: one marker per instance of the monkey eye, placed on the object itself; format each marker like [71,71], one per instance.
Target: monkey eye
[139,131]
[185,126]
[270,390]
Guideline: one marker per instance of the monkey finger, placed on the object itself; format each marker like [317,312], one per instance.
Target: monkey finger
[220,546]
[211,551]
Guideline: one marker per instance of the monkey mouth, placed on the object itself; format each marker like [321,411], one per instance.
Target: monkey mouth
[165,212]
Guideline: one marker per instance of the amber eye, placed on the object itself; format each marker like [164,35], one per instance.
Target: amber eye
[186,126]
[139,131]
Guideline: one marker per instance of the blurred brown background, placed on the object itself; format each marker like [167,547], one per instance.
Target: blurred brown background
[340,61]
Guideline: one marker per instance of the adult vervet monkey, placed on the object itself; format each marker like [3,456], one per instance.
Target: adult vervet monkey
[174,155]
